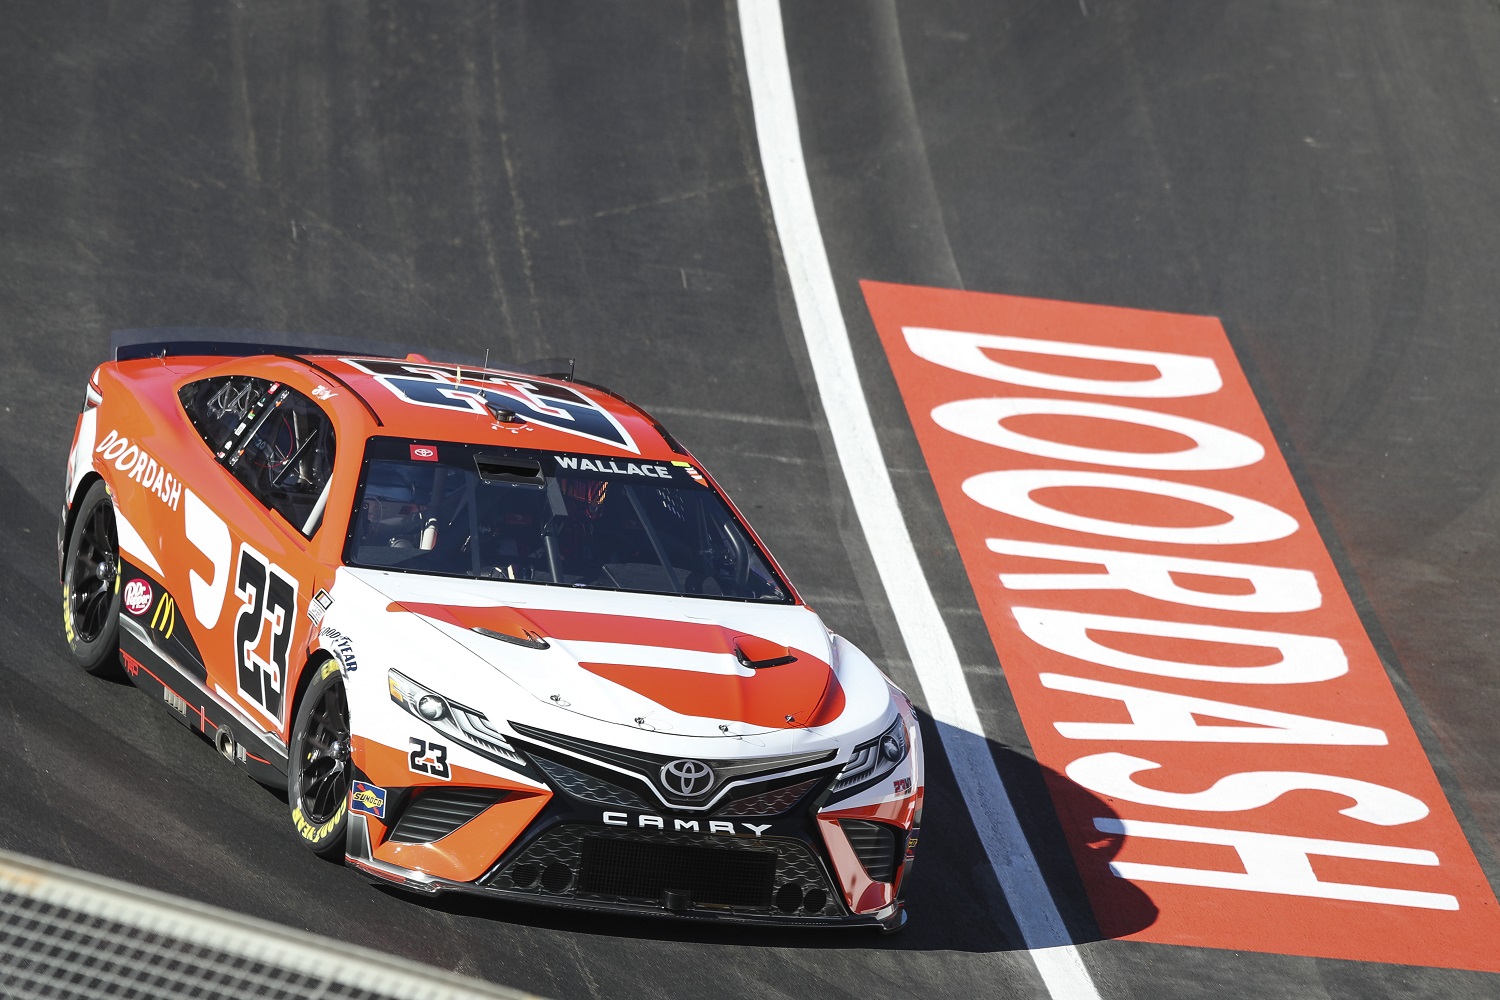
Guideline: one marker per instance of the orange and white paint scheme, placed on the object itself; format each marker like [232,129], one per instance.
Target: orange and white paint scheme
[496,632]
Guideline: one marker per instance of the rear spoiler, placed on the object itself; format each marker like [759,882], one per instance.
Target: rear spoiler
[170,341]
[180,341]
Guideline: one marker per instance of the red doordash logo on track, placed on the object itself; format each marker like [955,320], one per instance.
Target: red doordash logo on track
[1177,639]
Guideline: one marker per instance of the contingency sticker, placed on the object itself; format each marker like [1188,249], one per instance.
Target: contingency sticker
[1229,760]
[368,799]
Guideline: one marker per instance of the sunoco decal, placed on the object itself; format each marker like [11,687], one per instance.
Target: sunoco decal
[1230,763]
[368,799]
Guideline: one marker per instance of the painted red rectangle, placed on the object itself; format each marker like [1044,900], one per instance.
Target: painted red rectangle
[1228,758]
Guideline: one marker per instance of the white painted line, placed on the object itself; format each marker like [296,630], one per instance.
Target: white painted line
[922,628]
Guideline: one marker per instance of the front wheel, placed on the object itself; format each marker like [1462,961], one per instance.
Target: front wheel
[319,766]
[91,584]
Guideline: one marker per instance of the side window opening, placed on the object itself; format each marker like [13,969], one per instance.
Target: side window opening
[278,443]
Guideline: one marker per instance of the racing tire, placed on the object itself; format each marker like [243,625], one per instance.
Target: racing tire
[319,768]
[91,585]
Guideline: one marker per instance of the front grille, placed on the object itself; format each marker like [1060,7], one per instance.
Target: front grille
[435,813]
[875,846]
[713,876]
[770,803]
[587,788]
[777,875]
[649,766]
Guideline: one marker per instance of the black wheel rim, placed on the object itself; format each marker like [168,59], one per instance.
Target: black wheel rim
[91,577]
[323,783]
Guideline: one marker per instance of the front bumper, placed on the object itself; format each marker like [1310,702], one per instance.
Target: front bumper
[591,831]
[582,867]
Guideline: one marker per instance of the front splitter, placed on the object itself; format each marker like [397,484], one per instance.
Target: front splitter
[888,920]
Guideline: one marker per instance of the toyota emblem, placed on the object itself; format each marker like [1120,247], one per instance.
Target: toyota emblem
[687,778]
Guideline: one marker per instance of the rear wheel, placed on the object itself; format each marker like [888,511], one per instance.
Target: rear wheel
[318,767]
[91,584]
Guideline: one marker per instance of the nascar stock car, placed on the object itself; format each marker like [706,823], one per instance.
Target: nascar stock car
[494,631]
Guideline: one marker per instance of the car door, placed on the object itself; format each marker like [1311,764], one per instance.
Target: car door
[277,446]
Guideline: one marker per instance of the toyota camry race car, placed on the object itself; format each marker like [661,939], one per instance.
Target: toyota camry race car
[494,632]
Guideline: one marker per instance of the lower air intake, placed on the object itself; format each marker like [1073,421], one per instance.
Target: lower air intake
[639,868]
[709,875]
[875,846]
[435,813]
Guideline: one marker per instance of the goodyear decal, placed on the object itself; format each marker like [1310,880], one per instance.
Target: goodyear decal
[317,833]
[68,614]
[342,647]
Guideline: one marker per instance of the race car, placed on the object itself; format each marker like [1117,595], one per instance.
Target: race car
[494,630]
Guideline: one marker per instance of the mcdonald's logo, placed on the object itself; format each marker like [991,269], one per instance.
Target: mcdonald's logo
[164,619]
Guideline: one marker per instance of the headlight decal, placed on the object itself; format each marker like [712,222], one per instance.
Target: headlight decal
[874,759]
[468,727]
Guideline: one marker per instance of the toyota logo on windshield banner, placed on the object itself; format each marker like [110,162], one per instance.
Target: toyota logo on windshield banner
[1230,763]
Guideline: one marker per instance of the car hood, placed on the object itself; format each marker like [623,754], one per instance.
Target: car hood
[684,666]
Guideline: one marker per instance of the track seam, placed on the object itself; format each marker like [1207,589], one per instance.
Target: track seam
[928,642]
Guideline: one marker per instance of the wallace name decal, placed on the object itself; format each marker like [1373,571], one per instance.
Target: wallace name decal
[611,467]
[1230,763]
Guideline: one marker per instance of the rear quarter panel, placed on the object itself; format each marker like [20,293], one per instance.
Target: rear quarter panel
[184,520]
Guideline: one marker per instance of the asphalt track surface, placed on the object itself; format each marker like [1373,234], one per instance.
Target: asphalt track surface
[567,179]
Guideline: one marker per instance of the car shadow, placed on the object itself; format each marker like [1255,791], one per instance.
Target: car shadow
[954,900]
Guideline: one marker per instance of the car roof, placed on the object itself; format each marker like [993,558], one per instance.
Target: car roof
[415,398]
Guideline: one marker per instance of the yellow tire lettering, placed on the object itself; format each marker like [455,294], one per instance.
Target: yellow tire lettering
[317,834]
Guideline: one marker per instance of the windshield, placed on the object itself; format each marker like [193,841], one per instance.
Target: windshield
[552,518]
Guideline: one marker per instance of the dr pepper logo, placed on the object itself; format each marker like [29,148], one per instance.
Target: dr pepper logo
[137,596]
